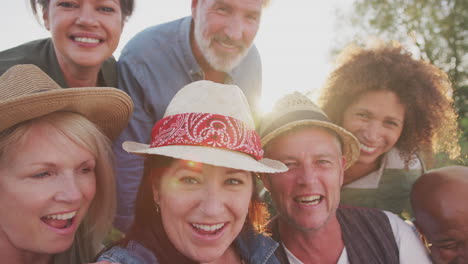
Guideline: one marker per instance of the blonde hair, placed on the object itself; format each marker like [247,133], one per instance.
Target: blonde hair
[84,133]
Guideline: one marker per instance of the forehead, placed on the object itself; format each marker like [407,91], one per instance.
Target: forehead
[247,5]
[442,208]
[377,99]
[308,139]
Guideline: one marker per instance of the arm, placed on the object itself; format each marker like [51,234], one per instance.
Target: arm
[129,167]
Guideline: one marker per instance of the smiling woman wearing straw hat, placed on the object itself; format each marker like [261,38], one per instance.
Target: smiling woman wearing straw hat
[197,202]
[57,195]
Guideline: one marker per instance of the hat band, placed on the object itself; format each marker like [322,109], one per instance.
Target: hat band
[295,116]
[210,130]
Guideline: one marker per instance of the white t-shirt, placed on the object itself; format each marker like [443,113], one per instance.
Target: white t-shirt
[409,245]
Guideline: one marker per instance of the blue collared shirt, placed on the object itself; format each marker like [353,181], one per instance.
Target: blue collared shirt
[152,68]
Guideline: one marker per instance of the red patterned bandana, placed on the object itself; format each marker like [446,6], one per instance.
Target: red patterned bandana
[210,130]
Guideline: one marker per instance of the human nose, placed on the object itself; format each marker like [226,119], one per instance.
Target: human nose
[372,132]
[68,191]
[212,202]
[234,29]
[308,175]
[86,16]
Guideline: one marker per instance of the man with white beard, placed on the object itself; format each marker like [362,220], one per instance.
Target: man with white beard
[214,43]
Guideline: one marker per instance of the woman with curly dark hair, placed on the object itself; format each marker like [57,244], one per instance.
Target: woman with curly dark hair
[398,108]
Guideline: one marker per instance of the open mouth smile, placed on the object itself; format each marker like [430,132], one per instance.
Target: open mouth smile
[59,221]
[206,229]
[308,200]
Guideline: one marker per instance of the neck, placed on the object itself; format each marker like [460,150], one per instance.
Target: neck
[323,245]
[79,76]
[359,170]
[210,73]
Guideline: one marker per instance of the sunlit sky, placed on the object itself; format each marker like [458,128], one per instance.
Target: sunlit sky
[294,40]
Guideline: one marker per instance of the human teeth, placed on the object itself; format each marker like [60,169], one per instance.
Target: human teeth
[62,216]
[87,40]
[366,148]
[227,45]
[310,200]
[208,228]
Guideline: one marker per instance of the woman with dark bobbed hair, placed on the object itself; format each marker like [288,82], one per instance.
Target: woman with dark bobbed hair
[84,34]
[398,108]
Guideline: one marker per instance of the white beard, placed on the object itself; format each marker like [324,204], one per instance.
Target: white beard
[220,62]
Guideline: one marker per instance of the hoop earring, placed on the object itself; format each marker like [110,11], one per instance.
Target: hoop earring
[156,205]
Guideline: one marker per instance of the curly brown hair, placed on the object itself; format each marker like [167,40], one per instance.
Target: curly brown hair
[430,120]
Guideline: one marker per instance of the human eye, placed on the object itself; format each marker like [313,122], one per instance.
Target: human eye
[323,161]
[290,163]
[448,246]
[106,9]
[234,181]
[67,4]
[253,17]
[189,180]
[222,9]
[392,123]
[41,175]
[362,115]
[87,169]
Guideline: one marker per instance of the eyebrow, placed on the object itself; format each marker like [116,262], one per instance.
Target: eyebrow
[191,165]
[386,117]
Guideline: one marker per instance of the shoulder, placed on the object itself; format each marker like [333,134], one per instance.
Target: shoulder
[256,247]
[133,253]
[26,53]
[251,60]
[155,37]
[393,160]
[409,244]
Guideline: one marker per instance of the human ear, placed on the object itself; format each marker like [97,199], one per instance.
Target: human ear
[194,7]
[265,177]
[45,17]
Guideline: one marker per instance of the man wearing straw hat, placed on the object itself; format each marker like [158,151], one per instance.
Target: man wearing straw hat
[310,225]
[215,43]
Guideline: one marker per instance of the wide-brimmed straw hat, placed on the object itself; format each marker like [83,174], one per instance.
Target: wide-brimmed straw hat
[296,110]
[209,123]
[26,92]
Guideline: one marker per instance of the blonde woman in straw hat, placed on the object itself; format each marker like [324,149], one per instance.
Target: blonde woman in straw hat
[197,202]
[57,196]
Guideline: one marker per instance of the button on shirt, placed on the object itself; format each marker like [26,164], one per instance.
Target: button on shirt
[152,68]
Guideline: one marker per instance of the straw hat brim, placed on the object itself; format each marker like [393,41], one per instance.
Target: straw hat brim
[208,155]
[108,108]
[350,143]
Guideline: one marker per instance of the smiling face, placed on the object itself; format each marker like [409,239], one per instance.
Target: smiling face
[376,118]
[307,195]
[85,32]
[47,183]
[438,201]
[224,30]
[203,207]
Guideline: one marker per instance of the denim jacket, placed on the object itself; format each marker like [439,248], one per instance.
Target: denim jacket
[254,248]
